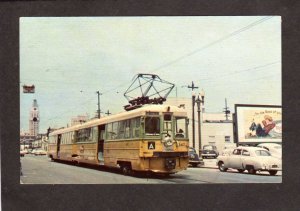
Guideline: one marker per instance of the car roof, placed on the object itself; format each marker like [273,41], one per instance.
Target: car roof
[251,148]
[269,144]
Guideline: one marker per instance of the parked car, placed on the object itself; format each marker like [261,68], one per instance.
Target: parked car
[22,153]
[194,158]
[210,151]
[40,152]
[251,159]
[273,148]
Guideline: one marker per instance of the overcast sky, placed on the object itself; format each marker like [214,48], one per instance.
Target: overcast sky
[69,59]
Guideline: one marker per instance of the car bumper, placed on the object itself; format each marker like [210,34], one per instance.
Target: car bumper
[196,162]
[209,155]
[269,169]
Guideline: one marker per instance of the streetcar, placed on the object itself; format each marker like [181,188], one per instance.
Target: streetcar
[152,138]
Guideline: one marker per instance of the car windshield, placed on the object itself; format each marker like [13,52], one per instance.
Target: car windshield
[262,153]
[208,147]
[192,150]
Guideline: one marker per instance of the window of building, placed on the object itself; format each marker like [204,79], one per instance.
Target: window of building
[227,138]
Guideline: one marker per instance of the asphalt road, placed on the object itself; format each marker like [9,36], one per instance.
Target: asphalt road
[40,170]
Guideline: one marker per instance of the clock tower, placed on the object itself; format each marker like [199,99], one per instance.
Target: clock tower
[34,119]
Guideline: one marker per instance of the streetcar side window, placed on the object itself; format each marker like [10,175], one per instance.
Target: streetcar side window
[114,130]
[95,134]
[84,135]
[135,127]
[109,131]
[121,130]
[127,129]
[52,139]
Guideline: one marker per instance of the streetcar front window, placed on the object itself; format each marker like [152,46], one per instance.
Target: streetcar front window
[152,126]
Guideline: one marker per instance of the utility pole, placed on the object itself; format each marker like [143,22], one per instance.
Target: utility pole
[199,100]
[99,103]
[226,109]
[107,113]
[193,110]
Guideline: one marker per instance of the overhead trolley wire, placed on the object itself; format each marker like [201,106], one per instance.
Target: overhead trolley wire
[213,43]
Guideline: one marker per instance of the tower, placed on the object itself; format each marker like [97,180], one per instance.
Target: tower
[34,119]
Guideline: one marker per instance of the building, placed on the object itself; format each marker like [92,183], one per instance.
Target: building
[79,119]
[26,140]
[34,119]
[41,142]
[214,129]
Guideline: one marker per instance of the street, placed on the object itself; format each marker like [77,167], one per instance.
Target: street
[41,170]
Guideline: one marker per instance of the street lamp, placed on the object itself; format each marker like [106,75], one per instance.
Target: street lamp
[193,117]
[199,100]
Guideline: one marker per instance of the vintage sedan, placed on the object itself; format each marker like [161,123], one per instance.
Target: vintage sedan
[274,148]
[251,159]
[194,159]
[210,151]
[40,152]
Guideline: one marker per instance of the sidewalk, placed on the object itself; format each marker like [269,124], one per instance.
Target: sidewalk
[209,163]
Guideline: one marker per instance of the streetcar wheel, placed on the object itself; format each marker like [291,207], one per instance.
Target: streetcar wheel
[241,170]
[126,170]
[272,172]
[222,167]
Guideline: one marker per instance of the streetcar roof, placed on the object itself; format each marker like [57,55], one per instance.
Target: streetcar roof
[125,115]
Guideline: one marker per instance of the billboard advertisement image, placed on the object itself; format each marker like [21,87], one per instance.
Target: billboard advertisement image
[258,123]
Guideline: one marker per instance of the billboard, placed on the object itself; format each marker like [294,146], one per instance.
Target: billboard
[258,123]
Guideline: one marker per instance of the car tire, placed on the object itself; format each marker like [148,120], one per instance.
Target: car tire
[194,164]
[252,170]
[272,172]
[221,167]
[241,170]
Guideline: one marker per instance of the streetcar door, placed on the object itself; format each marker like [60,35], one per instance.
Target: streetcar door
[101,143]
[58,145]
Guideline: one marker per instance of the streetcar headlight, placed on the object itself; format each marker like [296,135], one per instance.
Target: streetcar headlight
[168,141]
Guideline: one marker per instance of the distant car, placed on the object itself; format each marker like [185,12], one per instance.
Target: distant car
[22,153]
[251,159]
[210,151]
[40,152]
[273,148]
[194,158]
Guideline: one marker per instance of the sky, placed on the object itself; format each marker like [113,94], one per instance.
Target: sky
[69,59]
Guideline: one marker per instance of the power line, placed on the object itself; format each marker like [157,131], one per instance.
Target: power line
[213,43]
[241,71]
